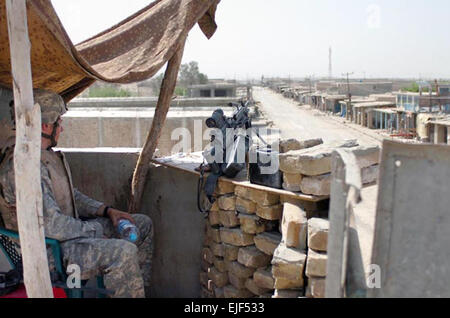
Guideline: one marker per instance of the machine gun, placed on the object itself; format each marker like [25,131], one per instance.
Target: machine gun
[227,153]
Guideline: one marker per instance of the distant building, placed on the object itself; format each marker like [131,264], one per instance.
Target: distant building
[424,101]
[213,90]
[364,88]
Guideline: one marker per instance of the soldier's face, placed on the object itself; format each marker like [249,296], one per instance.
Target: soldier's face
[48,129]
[59,130]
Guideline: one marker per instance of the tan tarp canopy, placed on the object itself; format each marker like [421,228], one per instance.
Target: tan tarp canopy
[131,51]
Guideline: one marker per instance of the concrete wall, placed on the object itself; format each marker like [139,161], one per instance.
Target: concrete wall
[146,102]
[169,199]
[128,128]
[6,96]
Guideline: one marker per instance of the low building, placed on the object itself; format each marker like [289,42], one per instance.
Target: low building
[363,113]
[425,102]
[332,102]
[212,90]
[364,88]
[439,130]
[346,107]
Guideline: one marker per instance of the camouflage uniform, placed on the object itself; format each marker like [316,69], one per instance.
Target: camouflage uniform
[74,219]
[92,244]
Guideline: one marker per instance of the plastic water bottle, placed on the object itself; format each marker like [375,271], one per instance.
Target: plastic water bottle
[127,230]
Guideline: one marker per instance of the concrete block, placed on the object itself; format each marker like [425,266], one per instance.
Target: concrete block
[294,226]
[207,241]
[213,233]
[230,252]
[230,291]
[369,174]
[237,282]
[240,270]
[235,237]
[224,187]
[316,264]
[218,278]
[255,289]
[312,161]
[271,212]
[218,292]
[317,287]
[213,217]
[288,263]
[264,198]
[316,185]
[215,206]
[227,202]
[228,218]
[227,264]
[251,224]
[245,206]
[263,278]
[267,242]
[367,156]
[282,283]
[294,144]
[252,257]
[243,192]
[217,249]
[219,264]
[282,293]
[318,234]
[291,181]
[207,255]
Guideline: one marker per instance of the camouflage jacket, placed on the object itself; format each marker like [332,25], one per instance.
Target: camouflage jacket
[61,210]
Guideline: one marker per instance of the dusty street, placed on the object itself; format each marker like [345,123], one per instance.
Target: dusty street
[301,122]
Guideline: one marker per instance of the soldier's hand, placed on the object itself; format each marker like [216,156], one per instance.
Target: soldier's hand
[116,215]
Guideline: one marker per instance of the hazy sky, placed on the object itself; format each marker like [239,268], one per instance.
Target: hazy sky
[375,38]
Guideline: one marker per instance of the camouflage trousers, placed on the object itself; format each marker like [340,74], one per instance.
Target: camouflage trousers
[125,266]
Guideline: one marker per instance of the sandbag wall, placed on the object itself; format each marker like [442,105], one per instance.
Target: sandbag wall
[256,245]
[260,243]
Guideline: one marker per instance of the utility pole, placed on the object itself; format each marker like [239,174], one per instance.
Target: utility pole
[330,65]
[349,95]
[310,86]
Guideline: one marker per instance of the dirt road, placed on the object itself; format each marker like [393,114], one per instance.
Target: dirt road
[302,122]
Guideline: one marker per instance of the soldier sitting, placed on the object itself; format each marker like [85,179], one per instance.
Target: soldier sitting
[85,227]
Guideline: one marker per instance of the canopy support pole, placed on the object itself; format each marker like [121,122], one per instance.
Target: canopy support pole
[27,157]
[162,107]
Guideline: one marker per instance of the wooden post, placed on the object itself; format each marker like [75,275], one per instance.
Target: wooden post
[162,107]
[27,157]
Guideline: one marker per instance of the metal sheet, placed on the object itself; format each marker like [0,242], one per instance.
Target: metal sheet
[412,231]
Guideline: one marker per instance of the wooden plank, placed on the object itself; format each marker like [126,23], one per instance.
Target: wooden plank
[162,107]
[27,156]
[337,236]
[189,167]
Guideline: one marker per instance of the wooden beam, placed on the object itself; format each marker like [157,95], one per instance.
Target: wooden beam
[162,107]
[27,157]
